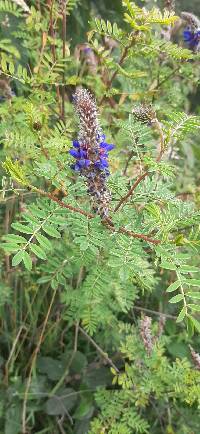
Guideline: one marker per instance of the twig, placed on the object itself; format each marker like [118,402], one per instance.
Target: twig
[64,54]
[130,192]
[35,353]
[127,162]
[124,199]
[153,312]
[12,352]
[107,222]
[62,204]
[62,379]
[53,47]
[121,61]
[99,349]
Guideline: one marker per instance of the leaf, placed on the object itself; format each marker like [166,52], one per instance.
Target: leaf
[54,369]
[190,326]
[189,269]
[10,247]
[11,68]
[168,265]
[193,294]
[61,403]
[85,408]
[17,258]
[195,307]
[182,314]
[173,286]
[195,322]
[50,230]
[22,228]
[27,261]
[176,298]
[192,282]
[16,238]
[37,251]
[54,283]
[43,241]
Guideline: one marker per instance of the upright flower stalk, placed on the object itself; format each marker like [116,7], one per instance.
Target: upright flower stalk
[91,151]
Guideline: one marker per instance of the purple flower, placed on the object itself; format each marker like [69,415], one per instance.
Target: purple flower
[191,37]
[99,162]
[87,50]
[76,144]
[91,151]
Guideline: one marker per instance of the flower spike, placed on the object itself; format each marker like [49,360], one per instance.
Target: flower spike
[91,151]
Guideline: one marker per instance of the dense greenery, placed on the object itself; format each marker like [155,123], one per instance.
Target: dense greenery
[100,326]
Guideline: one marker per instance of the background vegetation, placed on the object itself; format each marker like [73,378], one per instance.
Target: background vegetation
[99,315]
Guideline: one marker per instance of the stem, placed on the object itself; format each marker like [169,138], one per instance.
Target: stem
[143,309]
[53,48]
[124,199]
[108,222]
[62,379]
[62,204]
[182,292]
[64,54]
[121,61]
[36,351]
[130,192]
[99,349]
[127,162]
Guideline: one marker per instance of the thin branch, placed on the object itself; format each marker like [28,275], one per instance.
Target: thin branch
[153,312]
[50,4]
[108,222]
[130,192]
[128,161]
[62,204]
[64,54]
[62,379]
[35,353]
[99,349]
[12,351]
[124,199]
[120,63]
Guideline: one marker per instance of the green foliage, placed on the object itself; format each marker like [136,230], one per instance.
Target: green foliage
[78,354]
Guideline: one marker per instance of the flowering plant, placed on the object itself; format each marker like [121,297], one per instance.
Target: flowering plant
[99,262]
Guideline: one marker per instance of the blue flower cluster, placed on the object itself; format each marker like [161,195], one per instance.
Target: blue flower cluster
[100,156]
[191,37]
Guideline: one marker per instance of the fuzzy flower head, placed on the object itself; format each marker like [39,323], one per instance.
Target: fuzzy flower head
[91,151]
[144,113]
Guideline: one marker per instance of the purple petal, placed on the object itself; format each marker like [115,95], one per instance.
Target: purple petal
[84,163]
[188,36]
[101,136]
[82,153]
[87,50]
[75,154]
[107,146]
[104,162]
[76,144]
[75,167]
[101,164]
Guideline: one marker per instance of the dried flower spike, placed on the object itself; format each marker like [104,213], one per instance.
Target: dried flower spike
[91,151]
[144,113]
[195,357]
[145,333]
